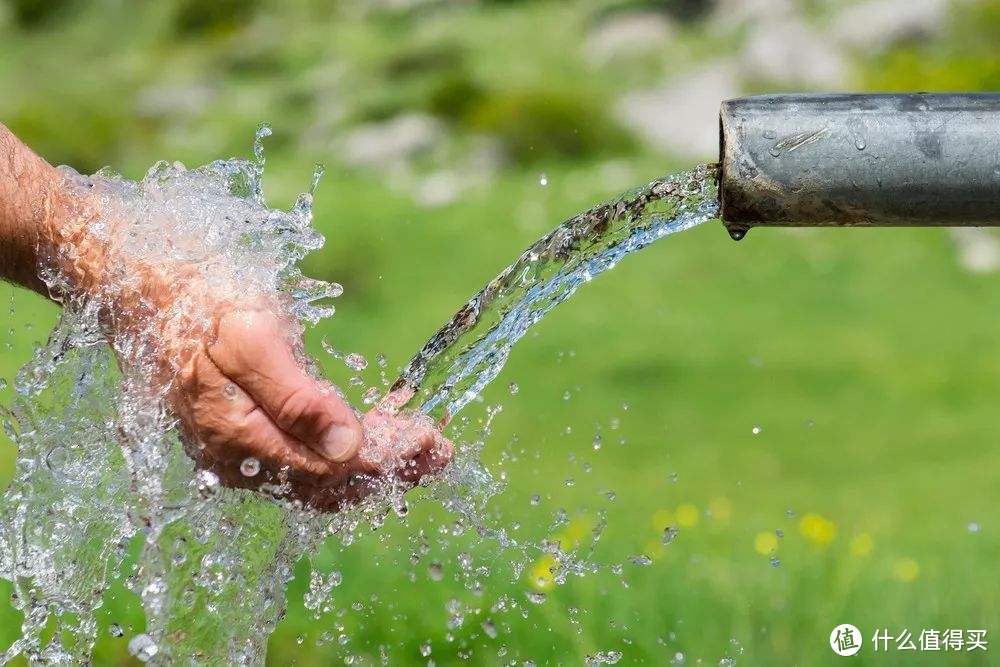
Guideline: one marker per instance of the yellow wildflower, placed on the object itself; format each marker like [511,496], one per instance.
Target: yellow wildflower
[541,573]
[568,538]
[573,533]
[817,529]
[765,543]
[687,515]
[721,509]
[905,570]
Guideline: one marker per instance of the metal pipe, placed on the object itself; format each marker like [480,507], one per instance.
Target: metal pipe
[884,160]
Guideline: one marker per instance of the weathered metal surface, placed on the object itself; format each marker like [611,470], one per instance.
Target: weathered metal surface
[887,160]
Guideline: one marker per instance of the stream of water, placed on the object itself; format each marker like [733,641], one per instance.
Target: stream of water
[470,350]
[104,496]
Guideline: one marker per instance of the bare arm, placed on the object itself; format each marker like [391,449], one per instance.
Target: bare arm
[237,387]
[29,191]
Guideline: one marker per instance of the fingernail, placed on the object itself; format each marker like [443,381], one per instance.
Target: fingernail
[340,443]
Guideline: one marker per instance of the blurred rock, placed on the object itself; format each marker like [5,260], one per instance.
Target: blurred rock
[381,145]
[882,22]
[625,34]
[160,100]
[978,249]
[438,189]
[682,116]
[786,50]
[731,13]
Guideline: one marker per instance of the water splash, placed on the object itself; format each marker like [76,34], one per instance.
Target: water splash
[104,492]
[105,495]
[468,352]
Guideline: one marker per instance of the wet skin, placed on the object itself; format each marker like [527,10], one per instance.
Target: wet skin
[231,368]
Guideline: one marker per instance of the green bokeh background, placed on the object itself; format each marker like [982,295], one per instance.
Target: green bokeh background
[867,358]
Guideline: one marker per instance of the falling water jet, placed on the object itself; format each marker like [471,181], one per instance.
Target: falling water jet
[470,350]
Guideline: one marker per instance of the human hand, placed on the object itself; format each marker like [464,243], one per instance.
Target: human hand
[229,362]
[245,398]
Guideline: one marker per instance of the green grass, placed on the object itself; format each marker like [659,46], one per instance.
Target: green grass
[868,358]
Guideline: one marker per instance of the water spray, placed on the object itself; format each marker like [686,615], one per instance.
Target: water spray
[885,160]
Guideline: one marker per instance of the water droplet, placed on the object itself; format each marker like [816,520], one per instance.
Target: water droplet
[143,647]
[263,131]
[535,499]
[859,143]
[775,562]
[641,560]
[779,533]
[425,649]
[513,388]
[230,391]
[356,362]
[567,395]
[371,396]
[329,349]
[208,483]
[436,571]
[115,630]
[543,180]
[536,598]
[490,628]
[250,467]
[318,172]
[737,233]
[602,658]
[756,430]
[669,533]
[974,527]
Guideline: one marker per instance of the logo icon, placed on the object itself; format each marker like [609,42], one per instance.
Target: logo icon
[845,639]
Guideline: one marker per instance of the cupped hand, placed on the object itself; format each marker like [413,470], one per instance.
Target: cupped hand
[258,419]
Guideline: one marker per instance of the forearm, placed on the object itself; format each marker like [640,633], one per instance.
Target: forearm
[30,191]
[45,222]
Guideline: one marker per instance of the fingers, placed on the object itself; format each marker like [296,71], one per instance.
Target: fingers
[252,350]
[230,426]
[246,395]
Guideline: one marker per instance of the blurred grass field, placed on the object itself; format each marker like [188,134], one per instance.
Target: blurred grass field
[865,359]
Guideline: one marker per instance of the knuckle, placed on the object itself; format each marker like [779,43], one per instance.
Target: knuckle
[302,413]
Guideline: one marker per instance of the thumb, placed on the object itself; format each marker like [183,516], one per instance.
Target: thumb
[252,349]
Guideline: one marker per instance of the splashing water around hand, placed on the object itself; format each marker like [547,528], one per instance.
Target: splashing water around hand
[103,478]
